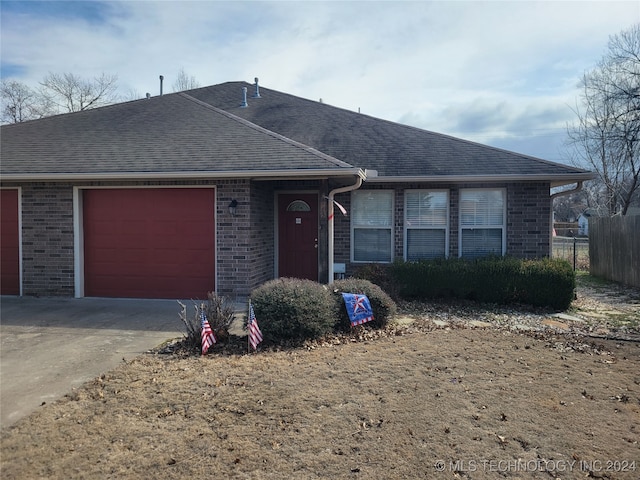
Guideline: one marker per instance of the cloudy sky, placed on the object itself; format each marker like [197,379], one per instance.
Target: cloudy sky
[503,73]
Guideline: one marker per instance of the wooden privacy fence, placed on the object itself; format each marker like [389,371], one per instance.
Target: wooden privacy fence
[614,248]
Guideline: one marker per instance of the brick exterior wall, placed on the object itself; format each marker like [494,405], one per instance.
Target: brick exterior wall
[528,219]
[232,237]
[245,255]
[47,240]
[245,242]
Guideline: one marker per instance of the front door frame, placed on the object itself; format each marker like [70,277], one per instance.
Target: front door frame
[277,227]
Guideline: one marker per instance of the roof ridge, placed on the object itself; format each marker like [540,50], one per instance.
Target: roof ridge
[271,133]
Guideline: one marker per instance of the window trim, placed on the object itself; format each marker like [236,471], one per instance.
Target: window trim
[502,227]
[353,227]
[446,228]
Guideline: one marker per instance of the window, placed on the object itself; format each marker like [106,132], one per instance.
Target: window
[426,224]
[298,206]
[482,223]
[371,225]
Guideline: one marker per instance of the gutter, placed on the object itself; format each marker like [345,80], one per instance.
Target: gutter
[250,174]
[556,180]
[577,188]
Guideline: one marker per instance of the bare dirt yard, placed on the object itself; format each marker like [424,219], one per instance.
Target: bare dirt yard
[447,391]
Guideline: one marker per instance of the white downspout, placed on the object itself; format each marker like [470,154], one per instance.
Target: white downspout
[332,193]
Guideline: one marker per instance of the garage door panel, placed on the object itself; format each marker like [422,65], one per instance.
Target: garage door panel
[9,243]
[149,243]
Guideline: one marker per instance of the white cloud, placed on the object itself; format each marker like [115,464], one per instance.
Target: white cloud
[488,70]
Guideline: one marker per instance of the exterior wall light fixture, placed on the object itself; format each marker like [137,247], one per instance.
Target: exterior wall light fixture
[233,206]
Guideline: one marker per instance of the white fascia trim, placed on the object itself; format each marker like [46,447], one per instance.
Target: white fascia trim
[252,174]
[556,180]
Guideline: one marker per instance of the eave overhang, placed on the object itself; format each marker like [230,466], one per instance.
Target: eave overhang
[554,180]
[303,174]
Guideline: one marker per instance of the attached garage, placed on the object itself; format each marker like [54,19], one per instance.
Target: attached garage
[9,242]
[149,242]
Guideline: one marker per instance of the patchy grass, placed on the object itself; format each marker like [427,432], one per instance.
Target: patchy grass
[606,304]
[449,403]
[420,401]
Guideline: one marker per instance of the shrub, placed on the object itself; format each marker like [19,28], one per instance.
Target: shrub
[547,282]
[291,308]
[540,283]
[220,314]
[379,274]
[382,305]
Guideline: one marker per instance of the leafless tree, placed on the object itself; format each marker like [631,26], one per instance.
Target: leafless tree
[184,82]
[606,135]
[72,93]
[21,103]
[567,207]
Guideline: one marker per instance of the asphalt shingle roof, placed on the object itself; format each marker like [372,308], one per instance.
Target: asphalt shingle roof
[393,149]
[207,131]
[172,133]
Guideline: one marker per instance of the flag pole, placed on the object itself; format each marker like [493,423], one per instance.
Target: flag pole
[248,329]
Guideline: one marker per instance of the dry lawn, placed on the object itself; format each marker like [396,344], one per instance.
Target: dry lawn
[421,402]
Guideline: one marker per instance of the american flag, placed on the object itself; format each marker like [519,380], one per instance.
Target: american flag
[255,335]
[208,338]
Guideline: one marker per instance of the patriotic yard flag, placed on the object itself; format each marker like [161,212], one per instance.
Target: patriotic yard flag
[358,308]
[208,338]
[255,335]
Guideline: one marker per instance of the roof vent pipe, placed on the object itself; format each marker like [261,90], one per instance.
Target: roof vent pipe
[257,92]
[161,79]
[244,103]
[148,95]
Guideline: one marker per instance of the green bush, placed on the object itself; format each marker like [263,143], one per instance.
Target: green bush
[382,305]
[293,309]
[547,282]
[503,280]
[379,274]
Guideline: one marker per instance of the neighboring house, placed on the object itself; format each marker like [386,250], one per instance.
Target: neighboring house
[216,190]
[583,223]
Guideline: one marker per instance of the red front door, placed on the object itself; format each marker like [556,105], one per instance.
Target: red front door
[298,235]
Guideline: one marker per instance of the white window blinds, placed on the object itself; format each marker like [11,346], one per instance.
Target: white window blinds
[482,222]
[426,224]
[371,225]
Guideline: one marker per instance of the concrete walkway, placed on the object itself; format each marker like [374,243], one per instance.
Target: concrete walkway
[50,345]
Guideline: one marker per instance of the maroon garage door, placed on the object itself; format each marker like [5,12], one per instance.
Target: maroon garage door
[149,242]
[9,243]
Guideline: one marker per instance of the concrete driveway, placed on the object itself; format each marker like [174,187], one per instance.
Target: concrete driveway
[50,345]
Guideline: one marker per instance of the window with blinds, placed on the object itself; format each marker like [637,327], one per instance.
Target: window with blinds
[371,225]
[482,222]
[426,223]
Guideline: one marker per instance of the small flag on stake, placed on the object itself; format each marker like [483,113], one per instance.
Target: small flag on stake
[255,335]
[358,308]
[208,338]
